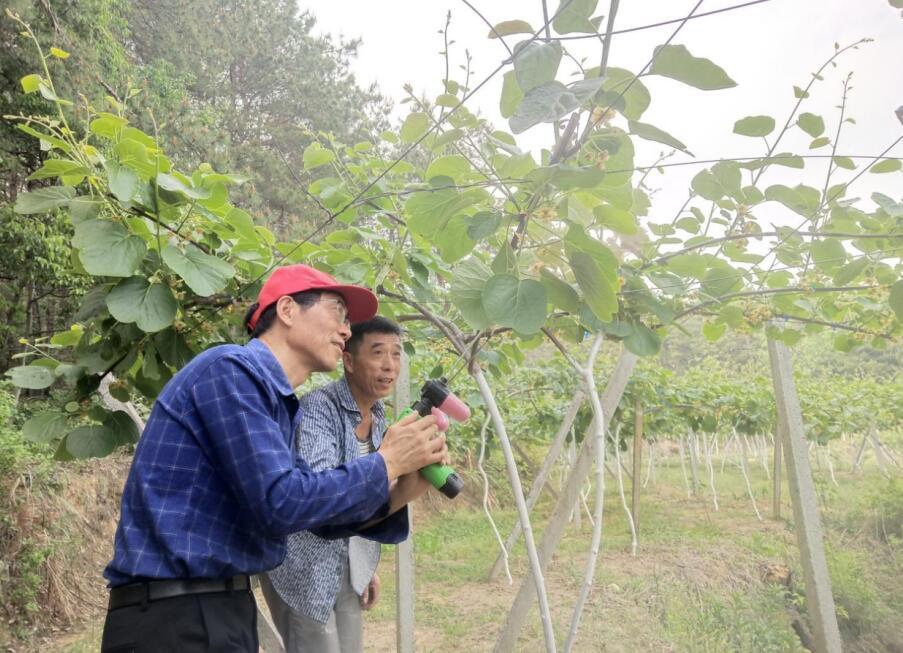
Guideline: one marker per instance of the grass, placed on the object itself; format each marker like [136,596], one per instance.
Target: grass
[697,583]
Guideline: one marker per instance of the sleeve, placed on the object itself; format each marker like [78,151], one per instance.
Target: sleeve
[251,452]
[318,441]
[318,445]
[391,530]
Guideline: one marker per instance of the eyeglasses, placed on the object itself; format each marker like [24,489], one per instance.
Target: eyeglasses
[339,307]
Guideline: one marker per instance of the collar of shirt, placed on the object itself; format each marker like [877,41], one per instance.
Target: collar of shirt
[349,403]
[271,366]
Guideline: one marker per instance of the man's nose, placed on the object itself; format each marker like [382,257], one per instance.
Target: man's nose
[345,331]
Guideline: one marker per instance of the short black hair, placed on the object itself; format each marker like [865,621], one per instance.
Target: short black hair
[373,325]
[305,299]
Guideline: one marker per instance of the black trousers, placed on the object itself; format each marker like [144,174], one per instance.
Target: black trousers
[220,622]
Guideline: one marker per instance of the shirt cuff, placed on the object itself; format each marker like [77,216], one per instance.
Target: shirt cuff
[393,529]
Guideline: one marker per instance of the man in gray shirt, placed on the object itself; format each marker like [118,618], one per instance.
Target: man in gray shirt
[317,594]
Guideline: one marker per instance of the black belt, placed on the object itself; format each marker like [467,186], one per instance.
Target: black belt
[157,590]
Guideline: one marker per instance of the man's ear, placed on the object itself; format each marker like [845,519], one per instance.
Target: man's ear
[347,362]
[285,310]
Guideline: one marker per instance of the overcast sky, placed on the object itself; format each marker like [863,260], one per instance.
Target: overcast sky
[766,48]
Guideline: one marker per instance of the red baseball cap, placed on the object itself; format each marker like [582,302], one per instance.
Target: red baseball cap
[362,304]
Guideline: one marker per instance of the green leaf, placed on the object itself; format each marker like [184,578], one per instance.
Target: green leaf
[573,16]
[47,141]
[688,224]
[172,348]
[430,212]
[315,155]
[676,62]
[560,293]
[896,4]
[564,177]
[888,165]
[720,279]
[621,92]
[895,299]
[452,241]
[577,212]
[60,168]
[653,133]
[828,254]
[44,427]
[91,442]
[844,162]
[454,166]
[48,94]
[108,125]
[619,220]
[106,248]
[801,199]
[43,200]
[69,337]
[59,54]
[414,126]
[242,223]
[811,124]
[483,224]
[31,377]
[850,271]
[505,261]
[446,100]
[122,426]
[643,341]
[183,186]
[723,179]
[31,83]
[149,305]
[799,93]
[577,239]
[550,101]
[516,303]
[123,181]
[203,273]
[466,291]
[888,205]
[688,265]
[509,27]
[754,126]
[511,95]
[536,63]
[598,290]
[821,141]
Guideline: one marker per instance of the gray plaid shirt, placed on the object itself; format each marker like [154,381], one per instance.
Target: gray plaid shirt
[308,579]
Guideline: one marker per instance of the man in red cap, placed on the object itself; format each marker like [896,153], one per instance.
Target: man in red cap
[215,487]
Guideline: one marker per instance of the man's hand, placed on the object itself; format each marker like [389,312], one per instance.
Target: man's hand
[371,594]
[411,443]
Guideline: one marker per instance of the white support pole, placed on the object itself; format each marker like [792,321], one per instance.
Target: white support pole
[541,477]
[404,551]
[267,637]
[683,466]
[807,523]
[536,566]
[551,536]
[777,438]
[600,428]
[694,459]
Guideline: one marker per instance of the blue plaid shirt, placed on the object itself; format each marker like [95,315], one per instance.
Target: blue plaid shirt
[215,486]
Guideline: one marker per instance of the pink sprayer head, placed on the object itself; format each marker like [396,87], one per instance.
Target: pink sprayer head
[455,408]
[442,403]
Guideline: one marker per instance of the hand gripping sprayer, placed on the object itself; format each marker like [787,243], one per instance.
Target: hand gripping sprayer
[438,400]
